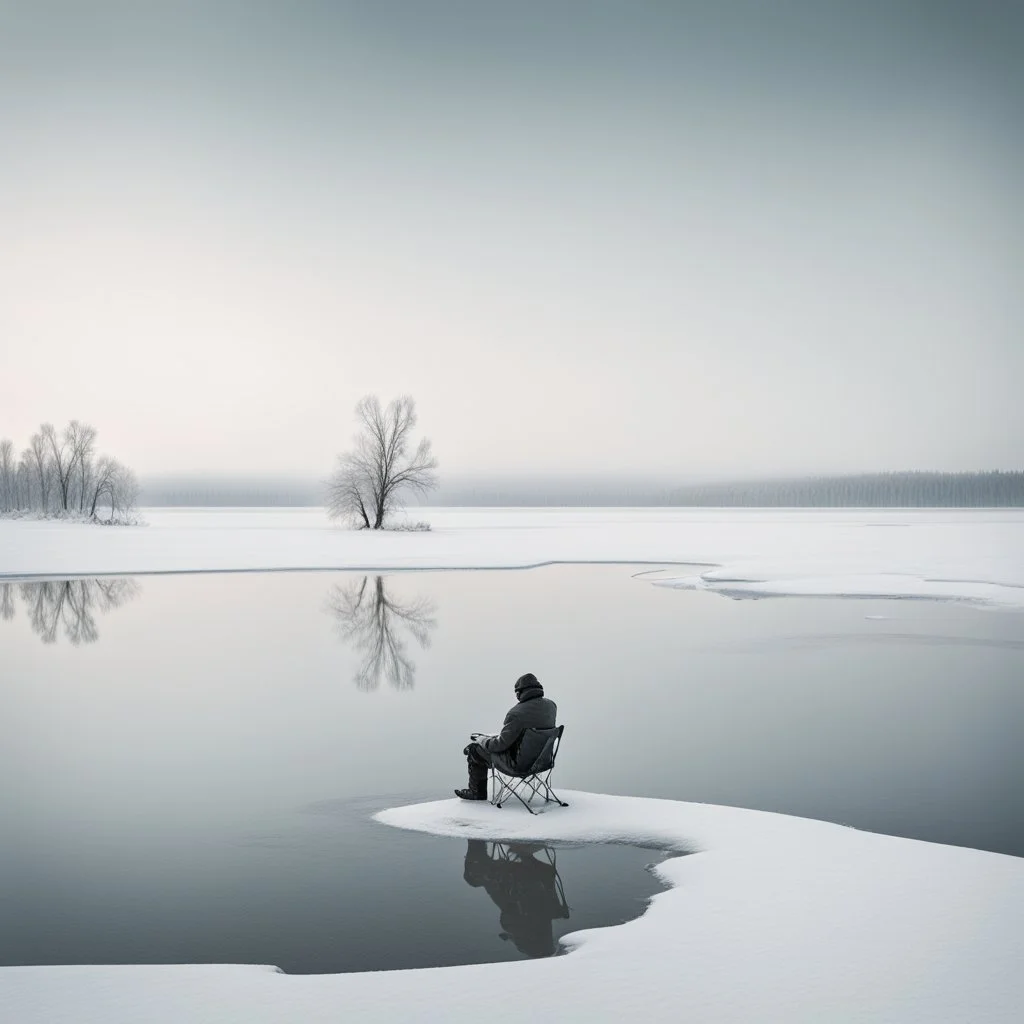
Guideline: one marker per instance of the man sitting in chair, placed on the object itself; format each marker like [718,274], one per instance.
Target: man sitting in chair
[532,711]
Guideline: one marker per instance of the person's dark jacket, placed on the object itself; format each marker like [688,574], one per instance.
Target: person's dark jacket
[533,711]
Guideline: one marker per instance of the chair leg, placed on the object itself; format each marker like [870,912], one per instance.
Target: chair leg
[545,790]
[500,789]
[514,790]
[503,787]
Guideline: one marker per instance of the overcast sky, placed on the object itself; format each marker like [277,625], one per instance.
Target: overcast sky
[683,238]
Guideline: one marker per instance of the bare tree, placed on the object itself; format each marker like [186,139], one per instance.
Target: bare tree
[73,451]
[372,620]
[62,455]
[124,492]
[36,455]
[7,475]
[65,466]
[102,483]
[23,483]
[369,480]
[113,484]
[82,438]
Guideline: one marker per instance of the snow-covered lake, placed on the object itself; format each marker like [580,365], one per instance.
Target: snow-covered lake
[207,760]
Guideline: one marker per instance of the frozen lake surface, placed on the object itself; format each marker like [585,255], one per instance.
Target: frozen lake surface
[193,779]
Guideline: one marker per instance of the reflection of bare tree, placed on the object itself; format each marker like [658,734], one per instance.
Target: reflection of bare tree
[366,615]
[6,601]
[71,605]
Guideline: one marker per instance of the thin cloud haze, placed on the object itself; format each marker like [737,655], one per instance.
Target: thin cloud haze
[681,239]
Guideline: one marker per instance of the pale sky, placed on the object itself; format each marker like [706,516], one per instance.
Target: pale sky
[685,238]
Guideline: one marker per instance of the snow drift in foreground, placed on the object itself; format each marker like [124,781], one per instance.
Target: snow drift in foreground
[771,918]
[947,554]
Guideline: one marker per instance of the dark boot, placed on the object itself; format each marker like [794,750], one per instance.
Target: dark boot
[477,788]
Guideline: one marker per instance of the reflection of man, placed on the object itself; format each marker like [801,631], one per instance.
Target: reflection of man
[532,711]
[525,888]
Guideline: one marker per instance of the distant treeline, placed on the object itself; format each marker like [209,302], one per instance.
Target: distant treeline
[886,490]
[231,492]
[883,490]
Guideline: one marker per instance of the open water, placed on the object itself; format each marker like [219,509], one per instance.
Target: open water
[191,763]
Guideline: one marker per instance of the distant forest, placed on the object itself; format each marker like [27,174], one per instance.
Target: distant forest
[879,490]
[230,492]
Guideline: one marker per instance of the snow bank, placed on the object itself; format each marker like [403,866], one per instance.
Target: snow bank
[771,918]
[969,555]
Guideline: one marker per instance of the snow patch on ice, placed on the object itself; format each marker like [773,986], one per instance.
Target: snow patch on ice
[729,583]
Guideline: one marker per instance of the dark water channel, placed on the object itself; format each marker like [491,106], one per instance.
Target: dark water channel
[190,763]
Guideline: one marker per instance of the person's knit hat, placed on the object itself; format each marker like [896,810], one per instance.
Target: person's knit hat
[528,682]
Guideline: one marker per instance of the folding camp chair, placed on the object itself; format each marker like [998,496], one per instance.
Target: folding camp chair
[535,774]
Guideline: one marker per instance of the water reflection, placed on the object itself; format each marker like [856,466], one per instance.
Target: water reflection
[523,881]
[374,622]
[67,606]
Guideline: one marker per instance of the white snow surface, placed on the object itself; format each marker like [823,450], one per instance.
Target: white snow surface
[770,918]
[947,554]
